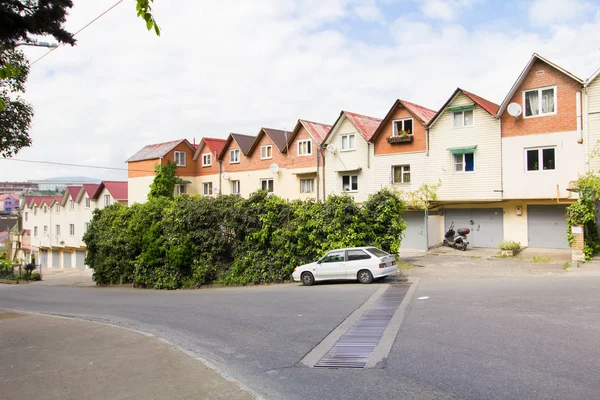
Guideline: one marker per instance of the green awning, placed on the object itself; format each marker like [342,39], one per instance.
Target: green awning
[462,150]
[461,108]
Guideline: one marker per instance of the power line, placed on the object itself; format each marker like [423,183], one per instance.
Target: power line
[74,165]
[88,24]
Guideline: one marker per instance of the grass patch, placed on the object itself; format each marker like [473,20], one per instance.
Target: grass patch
[406,266]
[541,259]
[566,265]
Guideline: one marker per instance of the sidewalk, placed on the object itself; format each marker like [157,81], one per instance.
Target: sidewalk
[67,277]
[43,357]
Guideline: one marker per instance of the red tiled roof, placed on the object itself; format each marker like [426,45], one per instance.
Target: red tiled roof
[487,105]
[423,113]
[215,144]
[91,189]
[152,151]
[73,191]
[316,130]
[117,189]
[364,124]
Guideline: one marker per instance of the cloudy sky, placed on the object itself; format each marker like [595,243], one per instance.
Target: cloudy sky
[237,65]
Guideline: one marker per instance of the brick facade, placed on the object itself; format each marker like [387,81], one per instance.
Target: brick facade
[383,147]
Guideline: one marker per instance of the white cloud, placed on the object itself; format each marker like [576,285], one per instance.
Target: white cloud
[545,12]
[237,66]
[445,10]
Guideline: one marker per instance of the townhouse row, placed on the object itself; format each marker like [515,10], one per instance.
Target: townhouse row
[55,225]
[506,171]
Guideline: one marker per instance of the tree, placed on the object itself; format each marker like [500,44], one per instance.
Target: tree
[164,181]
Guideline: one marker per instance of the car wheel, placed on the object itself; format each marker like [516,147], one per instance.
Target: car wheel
[365,276]
[307,278]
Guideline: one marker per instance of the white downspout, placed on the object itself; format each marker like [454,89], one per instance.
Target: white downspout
[586,131]
[578,108]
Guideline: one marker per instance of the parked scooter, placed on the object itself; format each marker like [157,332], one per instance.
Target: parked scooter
[458,239]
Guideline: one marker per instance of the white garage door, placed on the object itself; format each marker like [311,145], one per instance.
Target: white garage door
[415,235]
[547,227]
[486,224]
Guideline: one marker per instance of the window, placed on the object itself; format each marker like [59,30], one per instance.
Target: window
[403,125]
[107,200]
[541,159]
[72,229]
[35,231]
[348,141]
[464,162]
[88,202]
[26,216]
[307,185]
[71,205]
[207,189]
[304,147]
[461,119]
[334,256]
[57,230]
[57,209]
[401,174]
[45,209]
[266,152]
[179,189]
[180,158]
[235,187]
[86,227]
[350,183]
[267,184]
[34,210]
[45,230]
[354,255]
[234,156]
[377,252]
[206,160]
[539,102]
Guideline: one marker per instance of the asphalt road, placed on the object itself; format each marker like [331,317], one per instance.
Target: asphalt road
[521,338]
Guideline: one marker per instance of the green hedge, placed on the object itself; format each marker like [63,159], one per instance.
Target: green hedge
[189,241]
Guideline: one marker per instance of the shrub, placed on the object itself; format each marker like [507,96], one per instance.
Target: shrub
[35,277]
[509,245]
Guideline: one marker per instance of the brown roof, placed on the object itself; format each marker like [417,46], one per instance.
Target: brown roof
[244,141]
[279,137]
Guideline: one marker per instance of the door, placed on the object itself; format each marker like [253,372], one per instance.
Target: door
[80,259]
[55,259]
[332,266]
[66,259]
[547,227]
[44,259]
[415,235]
[486,224]
[357,260]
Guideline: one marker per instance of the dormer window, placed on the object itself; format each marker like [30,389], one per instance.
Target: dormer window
[539,102]
[234,156]
[206,160]
[266,152]
[71,205]
[180,158]
[462,119]
[403,127]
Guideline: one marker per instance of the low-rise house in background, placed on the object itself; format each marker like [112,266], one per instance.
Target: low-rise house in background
[235,163]
[208,167]
[9,204]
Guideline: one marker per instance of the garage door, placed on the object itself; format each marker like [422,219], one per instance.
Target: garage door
[486,224]
[547,227]
[415,234]
[66,259]
[80,259]
[55,259]
[44,260]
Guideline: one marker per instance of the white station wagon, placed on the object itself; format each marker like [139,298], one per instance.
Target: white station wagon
[362,263]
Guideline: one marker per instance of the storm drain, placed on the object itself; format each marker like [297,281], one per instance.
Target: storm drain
[355,347]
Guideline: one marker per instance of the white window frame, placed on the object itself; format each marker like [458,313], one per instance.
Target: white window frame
[57,209]
[403,171]
[26,216]
[308,146]
[540,159]
[88,202]
[86,227]
[234,156]
[71,204]
[348,135]
[106,200]
[45,209]
[395,127]
[311,186]
[35,231]
[57,229]
[206,159]
[235,185]
[71,229]
[205,186]
[539,90]
[35,210]
[180,158]
[267,149]
[178,190]
[349,176]
[262,181]
[45,230]
[463,119]
[464,164]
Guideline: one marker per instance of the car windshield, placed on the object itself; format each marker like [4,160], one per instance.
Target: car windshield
[376,252]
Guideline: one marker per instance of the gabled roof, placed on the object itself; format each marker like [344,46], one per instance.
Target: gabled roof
[244,141]
[316,130]
[117,189]
[423,114]
[535,57]
[31,201]
[153,151]
[91,189]
[73,191]
[365,125]
[215,145]
[6,196]
[277,136]
[591,78]
[491,108]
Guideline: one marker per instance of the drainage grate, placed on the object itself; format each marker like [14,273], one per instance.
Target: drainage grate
[355,347]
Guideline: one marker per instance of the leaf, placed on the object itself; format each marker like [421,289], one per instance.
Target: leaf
[156,29]
[149,24]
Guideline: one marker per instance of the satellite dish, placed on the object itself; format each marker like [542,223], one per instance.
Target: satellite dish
[274,168]
[330,147]
[514,109]
[226,176]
